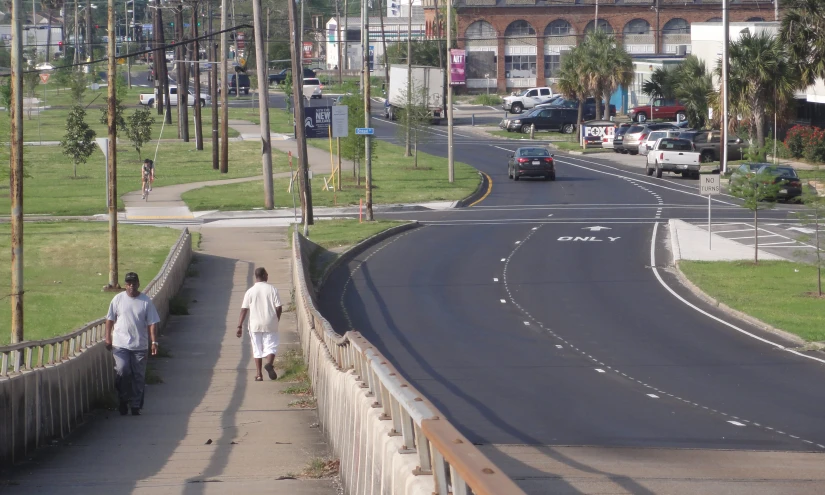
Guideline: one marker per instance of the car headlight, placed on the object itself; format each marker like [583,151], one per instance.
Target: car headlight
[517,122]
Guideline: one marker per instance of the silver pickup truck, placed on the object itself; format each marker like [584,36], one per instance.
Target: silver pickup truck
[673,155]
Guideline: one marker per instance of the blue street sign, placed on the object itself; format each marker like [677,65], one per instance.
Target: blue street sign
[364,130]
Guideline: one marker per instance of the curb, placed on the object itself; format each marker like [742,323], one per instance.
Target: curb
[480,191]
[345,256]
[693,288]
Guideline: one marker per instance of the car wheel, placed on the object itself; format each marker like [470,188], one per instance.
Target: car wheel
[516,108]
[624,152]
[680,116]
[649,171]
[658,171]
[553,176]
[525,129]
[641,117]
[515,175]
[706,156]
[633,152]
[246,91]
[567,129]
[202,102]
[616,151]
[509,174]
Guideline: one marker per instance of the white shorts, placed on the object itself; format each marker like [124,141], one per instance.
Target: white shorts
[263,343]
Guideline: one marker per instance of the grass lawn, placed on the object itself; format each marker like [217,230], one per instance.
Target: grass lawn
[280,120]
[394,181]
[67,264]
[771,291]
[811,174]
[53,190]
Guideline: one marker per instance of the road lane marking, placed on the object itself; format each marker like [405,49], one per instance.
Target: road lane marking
[599,370]
[736,423]
[503,259]
[527,323]
[495,279]
[489,190]
[559,346]
[653,396]
[503,301]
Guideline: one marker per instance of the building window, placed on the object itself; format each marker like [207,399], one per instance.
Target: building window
[637,26]
[481,65]
[519,29]
[676,26]
[480,30]
[755,19]
[604,27]
[552,65]
[559,27]
[714,19]
[519,66]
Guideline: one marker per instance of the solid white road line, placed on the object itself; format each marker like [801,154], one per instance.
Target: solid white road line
[600,370]
[696,308]
[653,396]
[736,423]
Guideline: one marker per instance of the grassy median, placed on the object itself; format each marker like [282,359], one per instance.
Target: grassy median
[67,264]
[395,180]
[52,189]
[779,293]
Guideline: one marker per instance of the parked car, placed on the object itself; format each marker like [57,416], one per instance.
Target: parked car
[786,177]
[654,136]
[149,99]
[589,110]
[280,77]
[661,108]
[673,155]
[312,88]
[638,133]
[545,119]
[618,137]
[746,170]
[528,99]
[709,145]
[531,162]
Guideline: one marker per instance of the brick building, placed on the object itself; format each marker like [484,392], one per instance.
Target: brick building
[532,34]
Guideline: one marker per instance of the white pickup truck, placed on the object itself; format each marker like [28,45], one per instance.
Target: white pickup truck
[529,98]
[150,98]
[673,155]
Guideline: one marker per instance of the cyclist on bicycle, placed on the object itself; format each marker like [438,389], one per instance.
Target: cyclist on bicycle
[148,175]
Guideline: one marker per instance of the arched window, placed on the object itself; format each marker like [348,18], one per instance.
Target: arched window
[604,27]
[714,19]
[756,19]
[559,27]
[519,29]
[480,30]
[637,26]
[676,26]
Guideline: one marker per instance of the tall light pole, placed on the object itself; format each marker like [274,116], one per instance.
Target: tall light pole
[112,164]
[365,57]
[16,172]
[224,97]
[409,83]
[725,67]
[298,108]
[450,158]
[263,104]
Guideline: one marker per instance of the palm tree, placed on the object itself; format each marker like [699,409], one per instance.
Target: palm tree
[760,73]
[571,80]
[607,66]
[692,86]
[803,33]
[661,84]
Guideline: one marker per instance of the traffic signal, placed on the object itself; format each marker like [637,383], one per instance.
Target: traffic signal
[60,46]
[171,24]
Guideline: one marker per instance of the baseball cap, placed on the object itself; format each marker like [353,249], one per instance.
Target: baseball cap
[132,277]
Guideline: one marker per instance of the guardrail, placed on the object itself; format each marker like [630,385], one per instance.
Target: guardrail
[389,437]
[46,393]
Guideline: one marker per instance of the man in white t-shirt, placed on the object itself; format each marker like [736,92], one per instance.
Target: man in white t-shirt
[262,304]
[131,324]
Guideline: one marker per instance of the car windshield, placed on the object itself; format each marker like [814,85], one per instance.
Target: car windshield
[779,171]
[533,152]
[656,135]
[634,129]
[622,130]
[525,92]
[532,113]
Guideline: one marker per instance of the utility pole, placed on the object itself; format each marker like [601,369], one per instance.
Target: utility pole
[365,70]
[197,77]
[180,65]
[263,104]
[89,33]
[126,35]
[298,98]
[16,173]
[407,116]
[346,38]
[156,55]
[76,55]
[224,99]
[112,164]
[450,157]
[596,20]
[724,127]
[338,39]
[164,69]
[776,10]
[658,34]
[213,90]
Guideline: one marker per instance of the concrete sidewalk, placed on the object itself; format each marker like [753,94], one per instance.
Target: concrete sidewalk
[690,242]
[209,428]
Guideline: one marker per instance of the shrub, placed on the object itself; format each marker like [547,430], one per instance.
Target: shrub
[797,140]
[815,149]
[782,151]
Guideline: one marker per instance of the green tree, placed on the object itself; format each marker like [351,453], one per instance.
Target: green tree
[661,84]
[77,86]
[571,79]
[760,74]
[139,128]
[61,78]
[813,215]
[757,192]
[425,52]
[353,146]
[692,87]
[5,56]
[803,34]
[120,120]
[607,65]
[79,141]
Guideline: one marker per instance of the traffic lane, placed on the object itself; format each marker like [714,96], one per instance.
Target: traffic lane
[600,295]
[441,322]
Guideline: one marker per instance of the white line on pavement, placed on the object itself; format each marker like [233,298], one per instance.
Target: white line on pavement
[653,396]
[736,423]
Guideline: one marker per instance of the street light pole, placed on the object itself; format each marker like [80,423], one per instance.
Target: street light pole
[263,104]
[112,164]
[298,108]
[450,157]
[725,66]
[365,57]
[224,95]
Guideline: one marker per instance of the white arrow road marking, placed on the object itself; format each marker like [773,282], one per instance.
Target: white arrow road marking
[502,301]
[599,370]
[653,396]
[495,280]
[559,346]
[527,323]
[736,423]
[503,259]
[804,230]
[596,228]
[613,238]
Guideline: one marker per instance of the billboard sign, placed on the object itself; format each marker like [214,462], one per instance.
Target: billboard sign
[317,121]
[307,51]
[458,62]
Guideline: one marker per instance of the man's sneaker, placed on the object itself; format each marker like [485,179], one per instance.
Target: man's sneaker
[135,411]
[123,408]
[150,188]
[143,197]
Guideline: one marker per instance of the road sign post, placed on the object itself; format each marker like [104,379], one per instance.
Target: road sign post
[710,185]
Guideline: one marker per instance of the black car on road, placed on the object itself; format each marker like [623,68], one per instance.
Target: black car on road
[280,77]
[545,119]
[531,162]
[790,185]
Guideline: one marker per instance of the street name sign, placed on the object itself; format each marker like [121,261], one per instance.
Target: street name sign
[364,131]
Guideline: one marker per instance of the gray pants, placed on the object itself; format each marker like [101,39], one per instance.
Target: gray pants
[130,381]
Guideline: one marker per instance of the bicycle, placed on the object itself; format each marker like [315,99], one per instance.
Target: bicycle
[147,186]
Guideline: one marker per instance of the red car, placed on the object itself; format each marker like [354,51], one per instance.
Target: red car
[662,109]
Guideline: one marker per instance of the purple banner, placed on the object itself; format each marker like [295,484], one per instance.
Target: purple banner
[458,59]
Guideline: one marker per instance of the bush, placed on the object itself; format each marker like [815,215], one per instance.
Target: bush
[815,149]
[797,140]
[487,100]
[782,151]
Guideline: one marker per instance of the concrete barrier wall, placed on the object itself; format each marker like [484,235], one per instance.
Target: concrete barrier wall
[47,401]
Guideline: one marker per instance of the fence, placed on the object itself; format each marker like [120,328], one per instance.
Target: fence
[46,393]
[390,439]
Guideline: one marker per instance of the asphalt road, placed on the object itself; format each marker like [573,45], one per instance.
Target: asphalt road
[544,316]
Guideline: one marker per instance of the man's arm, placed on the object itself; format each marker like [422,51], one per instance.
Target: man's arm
[278,311]
[110,325]
[244,312]
[153,338]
